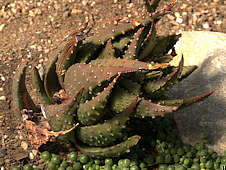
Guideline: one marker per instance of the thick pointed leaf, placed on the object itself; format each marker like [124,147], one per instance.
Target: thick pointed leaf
[181,103]
[108,132]
[92,111]
[121,99]
[164,44]
[147,108]
[110,151]
[51,83]
[153,75]
[135,64]
[108,52]
[132,87]
[68,107]
[39,87]
[110,30]
[149,43]
[62,116]
[186,71]
[131,52]
[157,87]
[89,76]
[122,43]
[86,52]
[21,97]
[163,59]
[66,58]
[143,36]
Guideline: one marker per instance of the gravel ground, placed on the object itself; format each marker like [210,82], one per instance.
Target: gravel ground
[32,28]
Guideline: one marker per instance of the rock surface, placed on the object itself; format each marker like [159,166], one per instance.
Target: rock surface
[208,51]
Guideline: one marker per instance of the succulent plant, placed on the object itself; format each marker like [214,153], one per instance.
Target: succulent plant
[101,81]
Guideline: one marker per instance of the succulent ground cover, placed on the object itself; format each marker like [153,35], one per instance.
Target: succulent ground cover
[104,81]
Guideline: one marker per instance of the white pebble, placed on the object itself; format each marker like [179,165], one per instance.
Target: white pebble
[2,78]
[35,152]
[39,48]
[33,46]
[179,20]
[14,10]
[41,60]
[24,145]
[219,22]
[2,26]
[1,88]
[46,51]
[76,11]
[205,25]
[84,2]
[31,155]
[177,14]
[2,98]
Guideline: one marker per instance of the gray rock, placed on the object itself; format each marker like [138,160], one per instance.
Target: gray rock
[208,51]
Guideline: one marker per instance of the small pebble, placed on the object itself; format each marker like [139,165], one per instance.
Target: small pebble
[2,26]
[39,48]
[41,60]
[21,137]
[171,17]
[205,25]
[31,13]
[219,22]
[38,11]
[84,2]
[33,46]
[2,98]
[179,20]
[177,14]
[31,155]
[35,152]
[76,11]
[24,145]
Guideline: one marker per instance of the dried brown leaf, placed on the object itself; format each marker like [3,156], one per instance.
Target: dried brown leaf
[39,136]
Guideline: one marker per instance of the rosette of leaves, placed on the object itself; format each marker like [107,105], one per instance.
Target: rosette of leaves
[120,72]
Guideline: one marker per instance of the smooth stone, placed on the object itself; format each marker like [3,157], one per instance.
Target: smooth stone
[208,51]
